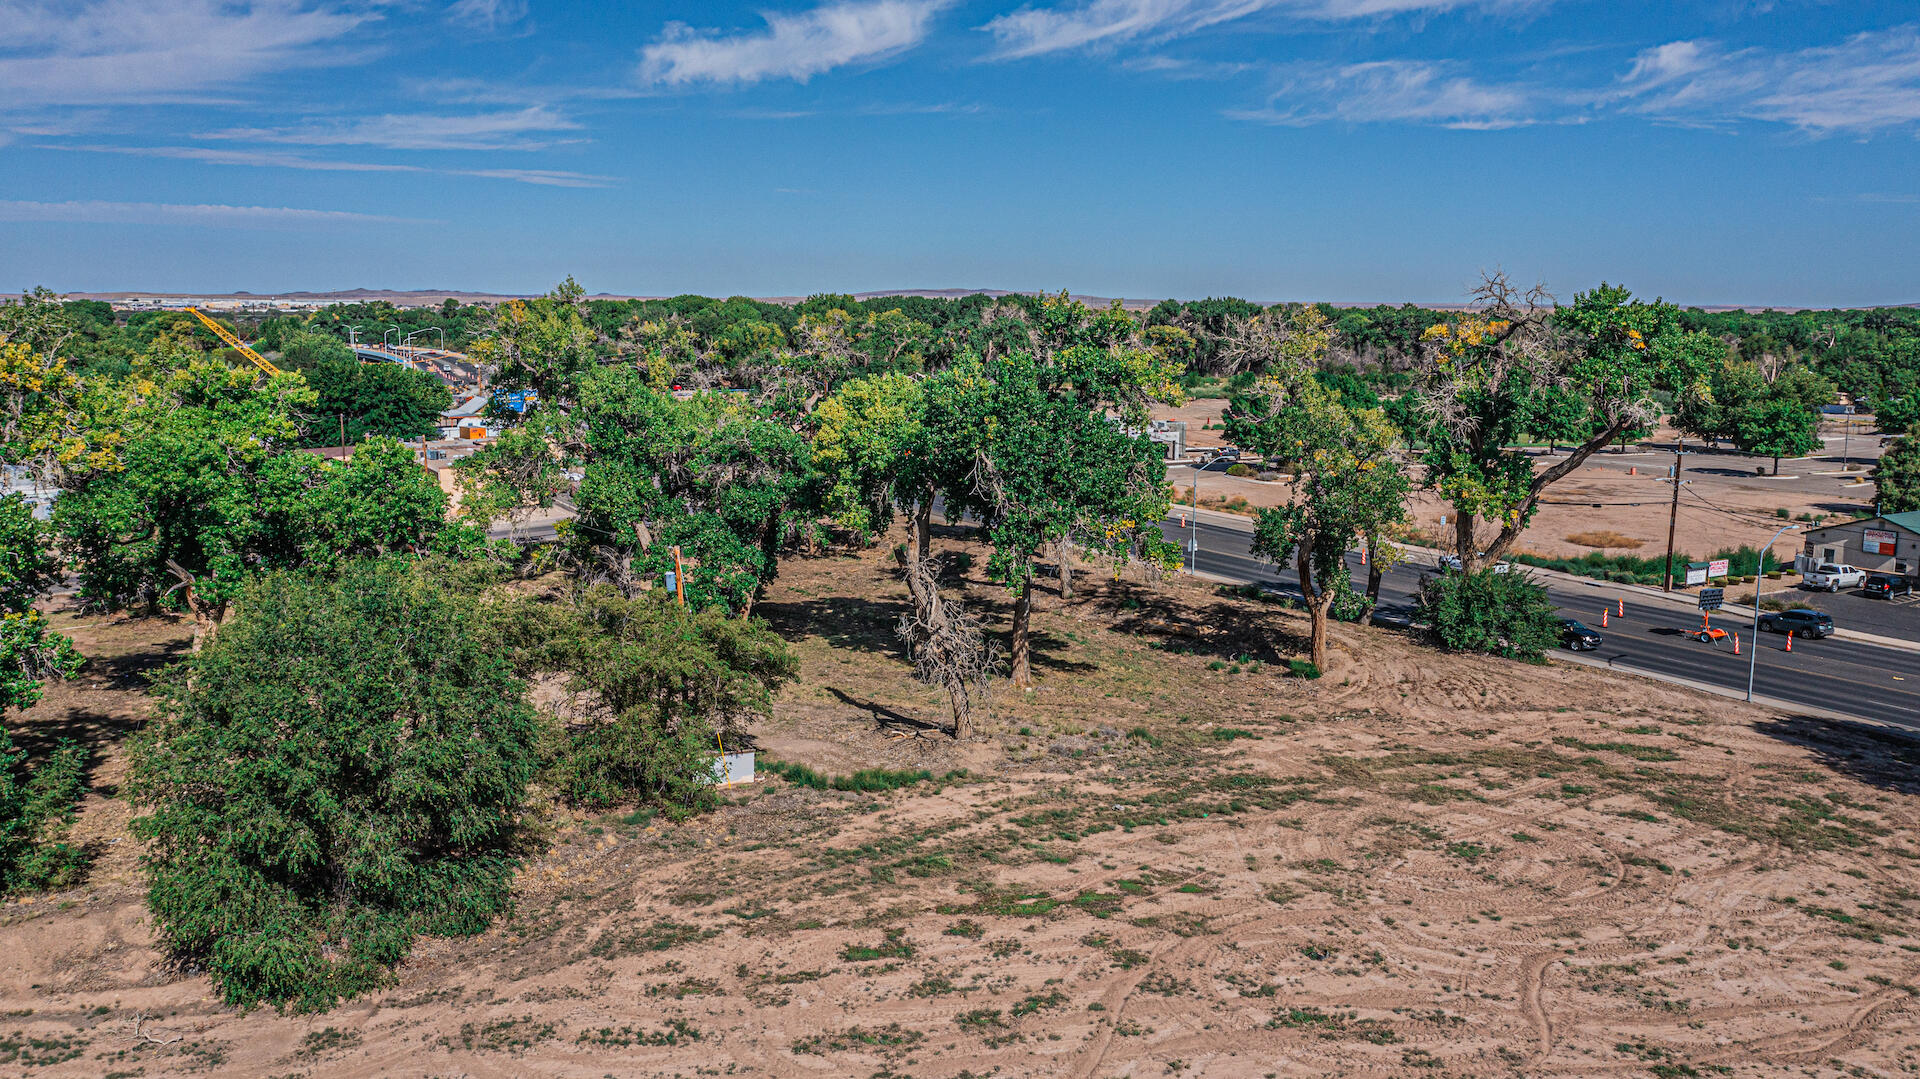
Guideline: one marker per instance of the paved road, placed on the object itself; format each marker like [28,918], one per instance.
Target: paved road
[1845,676]
[1851,609]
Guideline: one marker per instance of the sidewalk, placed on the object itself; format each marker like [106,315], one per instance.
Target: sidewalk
[1607,589]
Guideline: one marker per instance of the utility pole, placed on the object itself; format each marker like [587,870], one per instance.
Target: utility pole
[1673,512]
[343,435]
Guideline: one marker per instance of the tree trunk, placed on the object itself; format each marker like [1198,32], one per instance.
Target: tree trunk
[1066,570]
[1463,541]
[1776,466]
[1319,610]
[1022,617]
[1374,574]
[1541,481]
[1318,600]
[923,528]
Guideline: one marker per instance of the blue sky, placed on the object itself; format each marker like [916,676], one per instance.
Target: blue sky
[1349,150]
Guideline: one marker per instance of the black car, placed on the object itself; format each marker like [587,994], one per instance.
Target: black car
[1578,636]
[1801,622]
[1884,585]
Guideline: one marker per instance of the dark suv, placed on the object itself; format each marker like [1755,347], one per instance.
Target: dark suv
[1800,622]
[1884,585]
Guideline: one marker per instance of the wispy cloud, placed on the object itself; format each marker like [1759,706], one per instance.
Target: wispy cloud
[1394,91]
[490,16]
[502,130]
[162,213]
[1036,31]
[269,159]
[1868,82]
[143,51]
[541,177]
[793,46]
[250,158]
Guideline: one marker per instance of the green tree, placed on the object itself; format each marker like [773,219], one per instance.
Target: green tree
[334,775]
[864,440]
[1896,479]
[710,475]
[377,502]
[1777,426]
[305,351]
[209,492]
[1900,415]
[1482,373]
[543,347]
[1346,487]
[204,493]
[374,399]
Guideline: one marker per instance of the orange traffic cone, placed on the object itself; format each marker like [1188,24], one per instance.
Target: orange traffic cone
[1623,606]
[1736,644]
[1603,618]
[1789,640]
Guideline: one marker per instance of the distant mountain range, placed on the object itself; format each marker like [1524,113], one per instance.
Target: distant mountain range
[435,297]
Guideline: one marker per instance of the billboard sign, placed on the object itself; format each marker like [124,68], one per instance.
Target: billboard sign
[1696,573]
[1717,568]
[1880,541]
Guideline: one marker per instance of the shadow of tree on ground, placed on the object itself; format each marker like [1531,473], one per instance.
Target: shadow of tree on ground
[1879,756]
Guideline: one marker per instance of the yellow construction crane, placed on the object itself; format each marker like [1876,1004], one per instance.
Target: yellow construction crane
[234,342]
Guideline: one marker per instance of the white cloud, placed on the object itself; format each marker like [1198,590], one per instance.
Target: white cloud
[84,52]
[161,213]
[542,177]
[1394,91]
[1868,82]
[1033,31]
[252,158]
[278,160]
[502,130]
[488,15]
[792,46]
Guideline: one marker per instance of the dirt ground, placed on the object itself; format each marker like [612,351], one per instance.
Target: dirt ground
[1720,509]
[1169,859]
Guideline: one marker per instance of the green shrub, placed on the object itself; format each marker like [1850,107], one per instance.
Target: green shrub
[1302,668]
[1242,471]
[869,780]
[672,679]
[36,807]
[1505,614]
[337,772]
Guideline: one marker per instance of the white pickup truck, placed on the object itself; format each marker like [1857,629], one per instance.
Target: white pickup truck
[1832,577]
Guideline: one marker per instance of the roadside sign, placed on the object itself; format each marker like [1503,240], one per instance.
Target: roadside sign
[1712,599]
[1880,541]
[516,401]
[1696,573]
[1717,568]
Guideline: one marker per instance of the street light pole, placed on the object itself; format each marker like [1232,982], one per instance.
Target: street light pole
[1193,524]
[1753,654]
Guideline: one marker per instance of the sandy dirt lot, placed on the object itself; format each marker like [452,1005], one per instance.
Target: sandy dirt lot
[1170,859]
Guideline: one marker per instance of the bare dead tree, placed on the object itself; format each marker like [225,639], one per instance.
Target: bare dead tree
[948,646]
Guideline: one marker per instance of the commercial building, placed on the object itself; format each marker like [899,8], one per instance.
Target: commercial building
[1885,544]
